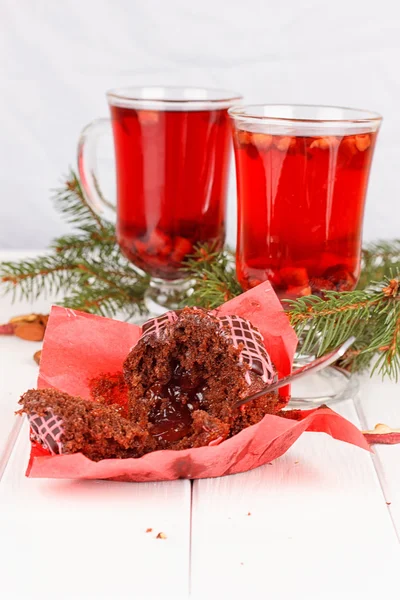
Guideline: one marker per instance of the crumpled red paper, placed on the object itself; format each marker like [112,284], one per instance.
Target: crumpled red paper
[382,434]
[79,346]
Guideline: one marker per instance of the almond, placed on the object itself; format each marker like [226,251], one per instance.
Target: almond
[31,318]
[34,332]
[382,434]
[37,356]
[43,319]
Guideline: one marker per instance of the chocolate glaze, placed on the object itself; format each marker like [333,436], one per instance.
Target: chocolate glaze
[241,333]
[47,430]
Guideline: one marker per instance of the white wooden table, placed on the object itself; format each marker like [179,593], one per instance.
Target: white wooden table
[321,522]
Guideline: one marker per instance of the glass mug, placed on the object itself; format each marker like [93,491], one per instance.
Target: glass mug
[302,176]
[172,152]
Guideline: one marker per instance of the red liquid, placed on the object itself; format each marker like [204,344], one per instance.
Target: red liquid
[172,169]
[301,206]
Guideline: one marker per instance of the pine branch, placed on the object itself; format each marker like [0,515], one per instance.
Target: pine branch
[74,247]
[70,201]
[80,282]
[45,275]
[319,321]
[214,277]
[107,286]
[87,266]
[357,358]
[387,339]
[107,300]
[379,259]
[372,316]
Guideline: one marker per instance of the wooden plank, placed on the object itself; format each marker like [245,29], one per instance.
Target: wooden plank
[318,527]
[87,539]
[379,402]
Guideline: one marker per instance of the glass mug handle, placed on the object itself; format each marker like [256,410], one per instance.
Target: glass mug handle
[87,169]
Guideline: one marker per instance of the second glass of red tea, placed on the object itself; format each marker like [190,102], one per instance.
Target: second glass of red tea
[172,154]
[302,177]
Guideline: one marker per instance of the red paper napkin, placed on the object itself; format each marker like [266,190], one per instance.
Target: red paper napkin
[78,347]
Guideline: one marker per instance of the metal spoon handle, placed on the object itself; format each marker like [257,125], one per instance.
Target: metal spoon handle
[316,365]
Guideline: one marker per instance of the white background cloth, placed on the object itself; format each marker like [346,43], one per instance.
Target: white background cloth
[57,59]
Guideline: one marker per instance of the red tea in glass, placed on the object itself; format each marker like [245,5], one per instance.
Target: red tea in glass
[172,170]
[302,181]
[172,155]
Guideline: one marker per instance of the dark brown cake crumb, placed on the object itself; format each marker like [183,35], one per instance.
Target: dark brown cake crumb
[110,388]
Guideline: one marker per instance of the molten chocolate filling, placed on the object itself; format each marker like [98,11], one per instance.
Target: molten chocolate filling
[174,402]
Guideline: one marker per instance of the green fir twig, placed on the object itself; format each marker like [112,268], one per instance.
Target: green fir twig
[372,316]
[213,273]
[70,201]
[42,276]
[85,266]
[379,259]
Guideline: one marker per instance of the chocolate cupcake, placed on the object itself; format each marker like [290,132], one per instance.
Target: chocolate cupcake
[189,369]
[183,379]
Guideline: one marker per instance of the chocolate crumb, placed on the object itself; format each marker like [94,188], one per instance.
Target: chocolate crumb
[249,514]
[388,503]
[161,536]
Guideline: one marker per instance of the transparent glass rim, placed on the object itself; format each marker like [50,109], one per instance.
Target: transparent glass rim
[251,114]
[155,97]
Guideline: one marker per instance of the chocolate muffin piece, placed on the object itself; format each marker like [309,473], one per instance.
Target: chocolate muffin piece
[187,372]
[66,424]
